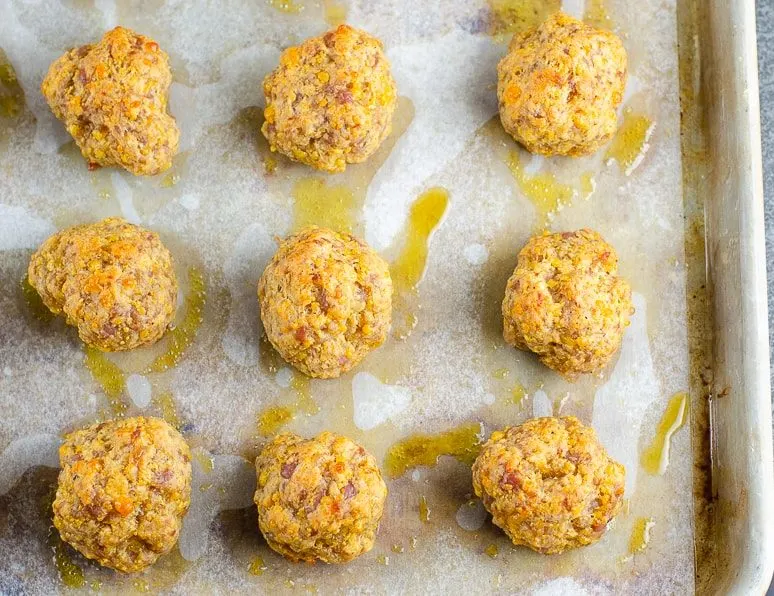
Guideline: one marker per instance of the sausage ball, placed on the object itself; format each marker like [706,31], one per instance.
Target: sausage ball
[112,98]
[559,87]
[319,498]
[124,488]
[549,484]
[326,301]
[330,101]
[113,280]
[566,303]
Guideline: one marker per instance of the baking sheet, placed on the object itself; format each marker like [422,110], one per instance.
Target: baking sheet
[218,210]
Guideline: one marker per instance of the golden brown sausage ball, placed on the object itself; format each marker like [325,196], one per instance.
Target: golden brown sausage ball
[113,280]
[326,301]
[330,101]
[566,303]
[559,87]
[112,98]
[124,488]
[319,498]
[549,484]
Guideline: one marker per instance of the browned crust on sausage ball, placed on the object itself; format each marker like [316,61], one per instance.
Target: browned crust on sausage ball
[559,87]
[330,101]
[112,98]
[566,303]
[326,301]
[113,280]
[549,484]
[124,488]
[318,499]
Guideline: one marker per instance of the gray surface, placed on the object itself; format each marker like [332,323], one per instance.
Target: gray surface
[766,69]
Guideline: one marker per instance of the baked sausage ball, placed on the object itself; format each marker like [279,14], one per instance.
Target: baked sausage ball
[326,301]
[124,488]
[331,99]
[319,498]
[549,484]
[113,280]
[566,303]
[559,86]
[112,98]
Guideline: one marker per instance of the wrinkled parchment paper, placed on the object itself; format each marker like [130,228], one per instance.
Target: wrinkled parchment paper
[221,212]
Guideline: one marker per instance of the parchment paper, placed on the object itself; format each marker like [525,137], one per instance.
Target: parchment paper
[222,215]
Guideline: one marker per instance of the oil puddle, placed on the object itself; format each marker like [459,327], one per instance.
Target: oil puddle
[11,98]
[34,303]
[164,405]
[295,398]
[70,573]
[462,443]
[631,142]
[183,334]
[272,419]
[175,173]
[327,206]
[286,6]
[424,510]
[596,14]
[335,12]
[588,184]
[538,183]
[508,390]
[109,377]
[515,16]
[640,536]
[256,566]
[11,93]
[547,195]
[655,458]
[409,267]
[329,200]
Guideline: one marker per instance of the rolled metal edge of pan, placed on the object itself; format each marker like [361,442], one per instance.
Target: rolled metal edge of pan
[736,256]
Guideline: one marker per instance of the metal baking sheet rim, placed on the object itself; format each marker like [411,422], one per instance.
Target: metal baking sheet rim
[741,420]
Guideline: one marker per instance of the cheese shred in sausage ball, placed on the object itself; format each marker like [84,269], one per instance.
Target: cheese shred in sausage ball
[566,303]
[549,484]
[124,488]
[559,87]
[330,101]
[326,301]
[112,98]
[318,499]
[113,280]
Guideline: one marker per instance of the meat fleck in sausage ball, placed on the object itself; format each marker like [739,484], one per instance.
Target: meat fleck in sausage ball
[113,280]
[326,301]
[124,488]
[330,101]
[549,484]
[112,98]
[559,87]
[320,498]
[566,303]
